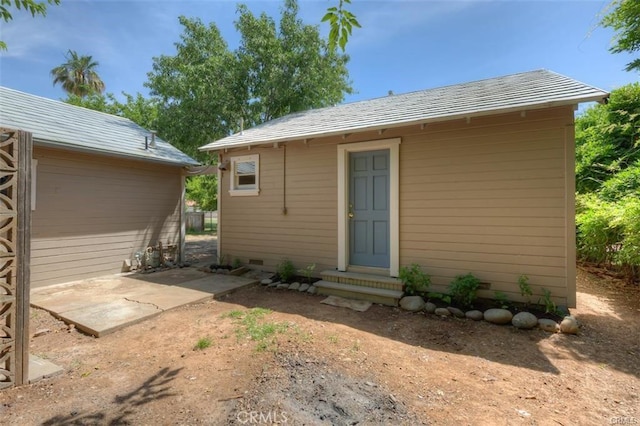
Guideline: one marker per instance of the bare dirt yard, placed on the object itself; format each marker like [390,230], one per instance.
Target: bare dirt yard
[280,357]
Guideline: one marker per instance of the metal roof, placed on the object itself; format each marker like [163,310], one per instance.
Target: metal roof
[517,92]
[61,125]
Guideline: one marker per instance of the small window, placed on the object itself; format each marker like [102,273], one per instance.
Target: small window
[245,175]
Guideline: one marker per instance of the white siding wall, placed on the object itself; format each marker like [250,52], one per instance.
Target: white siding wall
[94,212]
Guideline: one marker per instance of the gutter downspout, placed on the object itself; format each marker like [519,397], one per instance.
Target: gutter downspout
[183,216]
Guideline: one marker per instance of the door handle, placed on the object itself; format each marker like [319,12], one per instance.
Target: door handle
[350,215]
[350,211]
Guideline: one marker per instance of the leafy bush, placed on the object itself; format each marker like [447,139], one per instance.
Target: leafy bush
[502,301]
[525,288]
[308,272]
[439,296]
[463,289]
[414,279]
[286,270]
[629,222]
[549,305]
[597,235]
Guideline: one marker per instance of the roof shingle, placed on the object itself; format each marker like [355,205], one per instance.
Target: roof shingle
[529,90]
[58,124]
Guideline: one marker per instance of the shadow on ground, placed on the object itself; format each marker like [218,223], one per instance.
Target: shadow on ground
[154,388]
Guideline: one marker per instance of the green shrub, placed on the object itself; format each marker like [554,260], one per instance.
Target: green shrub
[628,257]
[525,288]
[463,289]
[549,305]
[286,270]
[596,232]
[501,299]
[439,296]
[414,279]
[308,272]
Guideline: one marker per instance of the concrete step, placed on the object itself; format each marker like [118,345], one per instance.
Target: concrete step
[383,296]
[364,280]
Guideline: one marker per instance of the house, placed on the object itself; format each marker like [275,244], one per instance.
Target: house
[98,195]
[475,177]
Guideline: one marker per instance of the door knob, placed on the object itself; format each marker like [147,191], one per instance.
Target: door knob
[350,215]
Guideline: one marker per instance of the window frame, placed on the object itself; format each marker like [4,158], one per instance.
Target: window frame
[236,189]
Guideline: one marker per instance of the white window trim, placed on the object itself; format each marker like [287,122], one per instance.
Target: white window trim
[393,145]
[239,192]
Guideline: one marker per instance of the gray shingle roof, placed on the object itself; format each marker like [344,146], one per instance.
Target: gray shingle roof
[58,124]
[529,90]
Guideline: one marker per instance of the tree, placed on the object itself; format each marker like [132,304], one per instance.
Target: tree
[78,75]
[33,7]
[625,21]
[206,90]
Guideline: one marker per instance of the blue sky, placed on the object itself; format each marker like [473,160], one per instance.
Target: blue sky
[403,45]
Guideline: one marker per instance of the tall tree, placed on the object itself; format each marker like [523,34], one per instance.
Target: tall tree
[32,6]
[78,76]
[625,21]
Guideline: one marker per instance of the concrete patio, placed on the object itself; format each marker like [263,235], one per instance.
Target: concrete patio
[100,306]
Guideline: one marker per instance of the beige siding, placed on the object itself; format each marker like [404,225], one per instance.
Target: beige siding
[94,212]
[255,228]
[488,197]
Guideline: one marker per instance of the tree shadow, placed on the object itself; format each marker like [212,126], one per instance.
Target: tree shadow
[154,388]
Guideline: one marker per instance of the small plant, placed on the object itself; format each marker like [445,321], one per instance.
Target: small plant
[525,288]
[236,263]
[308,272]
[286,270]
[549,305]
[501,299]
[439,296]
[415,281]
[463,289]
[222,259]
[250,326]
[333,338]
[203,343]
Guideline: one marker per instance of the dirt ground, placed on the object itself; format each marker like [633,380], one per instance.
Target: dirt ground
[328,365]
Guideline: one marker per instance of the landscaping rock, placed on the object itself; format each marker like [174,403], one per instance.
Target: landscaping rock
[548,325]
[304,287]
[283,286]
[266,281]
[412,303]
[272,285]
[474,315]
[312,289]
[294,286]
[524,320]
[569,325]
[498,316]
[430,307]
[455,312]
[443,312]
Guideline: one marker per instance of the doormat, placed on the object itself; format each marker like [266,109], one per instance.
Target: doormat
[341,302]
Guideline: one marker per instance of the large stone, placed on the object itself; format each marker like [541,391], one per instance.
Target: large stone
[283,286]
[443,312]
[266,281]
[474,315]
[412,303]
[524,320]
[569,325]
[455,312]
[430,307]
[312,289]
[548,325]
[272,285]
[498,316]
[294,286]
[304,287]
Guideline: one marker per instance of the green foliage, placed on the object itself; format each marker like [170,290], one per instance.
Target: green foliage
[525,288]
[549,305]
[203,189]
[206,89]
[414,279]
[202,343]
[501,299]
[463,289]
[286,270]
[624,19]
[32,6]
[341,23]
[628,221]
[142,111]
[596,230]
[78,75]
[251,326]
[308,272]
[439,296]
[237,263]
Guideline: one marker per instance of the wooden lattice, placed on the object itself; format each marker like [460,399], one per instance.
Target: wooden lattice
[8,239]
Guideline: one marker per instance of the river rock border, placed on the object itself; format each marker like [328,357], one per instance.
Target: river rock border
[498,316]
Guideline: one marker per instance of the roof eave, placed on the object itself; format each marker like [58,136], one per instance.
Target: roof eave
[60,145]
[480,113]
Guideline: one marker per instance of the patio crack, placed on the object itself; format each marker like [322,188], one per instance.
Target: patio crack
[144,303]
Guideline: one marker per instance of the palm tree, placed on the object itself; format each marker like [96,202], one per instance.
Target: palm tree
[78,75]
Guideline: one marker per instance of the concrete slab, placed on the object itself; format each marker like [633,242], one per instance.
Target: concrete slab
[40,368]
[100,306]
